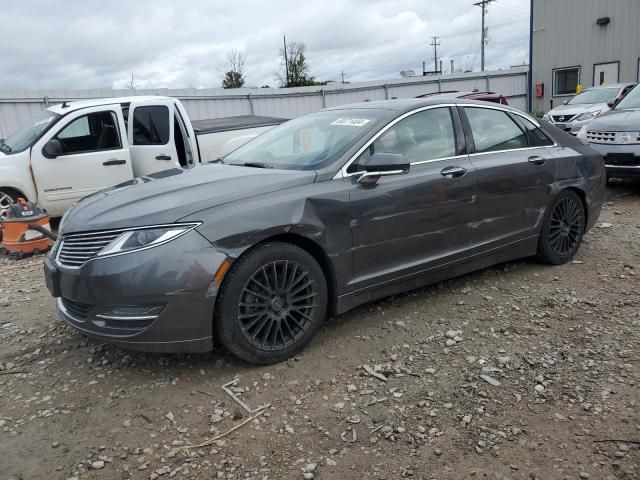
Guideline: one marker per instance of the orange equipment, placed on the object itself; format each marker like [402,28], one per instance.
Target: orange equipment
[25,229]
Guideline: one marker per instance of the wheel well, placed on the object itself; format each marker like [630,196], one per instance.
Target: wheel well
[13,191]
[583,197]
[320,256]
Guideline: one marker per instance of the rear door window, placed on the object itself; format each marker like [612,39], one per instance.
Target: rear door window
[90,133]
[494,130]
[536,137]
[151,125]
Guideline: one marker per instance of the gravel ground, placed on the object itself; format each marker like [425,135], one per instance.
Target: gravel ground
[518,371]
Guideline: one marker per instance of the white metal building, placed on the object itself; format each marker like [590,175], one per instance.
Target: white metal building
[587,42]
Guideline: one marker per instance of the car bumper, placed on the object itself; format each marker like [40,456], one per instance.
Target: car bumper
[620,160]
[161,299]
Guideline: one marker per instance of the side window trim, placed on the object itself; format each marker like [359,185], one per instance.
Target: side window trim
[508,114]
[115,119]
[370,144]
[343,172]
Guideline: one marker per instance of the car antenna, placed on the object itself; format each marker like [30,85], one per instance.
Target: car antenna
[65,104]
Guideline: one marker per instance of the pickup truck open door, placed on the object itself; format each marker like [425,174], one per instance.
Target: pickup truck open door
[92,153]
[151,130]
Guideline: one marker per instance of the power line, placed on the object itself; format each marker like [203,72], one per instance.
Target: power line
[483,4]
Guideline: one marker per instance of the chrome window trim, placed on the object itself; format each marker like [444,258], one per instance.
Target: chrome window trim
[342,173]
[475,154]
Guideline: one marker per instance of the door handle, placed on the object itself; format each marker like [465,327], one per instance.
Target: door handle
[453,172]
[163,156]
[536,160]
[114,161]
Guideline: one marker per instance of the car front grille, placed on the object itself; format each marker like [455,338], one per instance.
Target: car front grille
[612,138]
[562,118]
[79,311]
[78,248]
[601,137]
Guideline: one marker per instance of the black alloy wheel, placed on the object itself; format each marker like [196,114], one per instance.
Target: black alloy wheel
[271,303]
[277,305]
[563,229]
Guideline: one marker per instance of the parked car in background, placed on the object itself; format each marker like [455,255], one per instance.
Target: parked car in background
[73,149]
[616,135]
[585,106]
[320,214]
[491,97]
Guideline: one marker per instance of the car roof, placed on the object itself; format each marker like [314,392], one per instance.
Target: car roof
[67,107]
[613,85]
[403,105]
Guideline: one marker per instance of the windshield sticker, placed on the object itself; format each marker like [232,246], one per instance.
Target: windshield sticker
[43,121]
[351,122]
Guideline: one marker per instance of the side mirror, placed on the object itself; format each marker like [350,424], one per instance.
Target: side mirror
[381,164]
[611,103]
[52,149]
[565,102]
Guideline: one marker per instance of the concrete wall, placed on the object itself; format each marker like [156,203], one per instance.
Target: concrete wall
[17,106]
[565,34]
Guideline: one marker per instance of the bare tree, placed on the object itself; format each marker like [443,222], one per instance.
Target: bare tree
[131,84]
[295,70]
[234,69]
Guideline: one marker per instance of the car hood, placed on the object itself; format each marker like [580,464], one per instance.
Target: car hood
[617,121]
[571,110]
[168,196]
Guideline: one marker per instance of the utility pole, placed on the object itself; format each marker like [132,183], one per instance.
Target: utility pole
[435,44]
[286,61]
[424,68]
[483,4]
[342,74]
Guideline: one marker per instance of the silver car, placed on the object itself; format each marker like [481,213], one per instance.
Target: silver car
[572,115]
[616,135]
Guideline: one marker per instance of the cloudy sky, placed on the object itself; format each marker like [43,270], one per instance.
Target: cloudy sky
[91,44]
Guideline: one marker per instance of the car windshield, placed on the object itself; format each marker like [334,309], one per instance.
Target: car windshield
[29,132]
[308,142]
[594,95]
[631,99]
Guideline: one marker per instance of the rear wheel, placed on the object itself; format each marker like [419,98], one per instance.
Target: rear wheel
[562,229]
[271,304]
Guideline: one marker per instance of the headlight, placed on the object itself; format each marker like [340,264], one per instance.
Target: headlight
[587,116]
[546,118]
[146,237]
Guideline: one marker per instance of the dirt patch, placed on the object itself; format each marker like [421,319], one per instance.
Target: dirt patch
[517,371]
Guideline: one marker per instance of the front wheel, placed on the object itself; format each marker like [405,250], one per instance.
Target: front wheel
[562,229]
[271,304]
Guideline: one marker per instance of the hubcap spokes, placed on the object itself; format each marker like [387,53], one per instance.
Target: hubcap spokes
[565,225]
[277,305]
[5,201]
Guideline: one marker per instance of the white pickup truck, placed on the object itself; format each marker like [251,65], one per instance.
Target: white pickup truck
[73,149]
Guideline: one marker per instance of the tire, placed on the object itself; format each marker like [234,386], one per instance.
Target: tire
[271,303]
[562,229]
[7,196]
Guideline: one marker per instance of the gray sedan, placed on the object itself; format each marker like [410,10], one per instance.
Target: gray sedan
[323,213]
